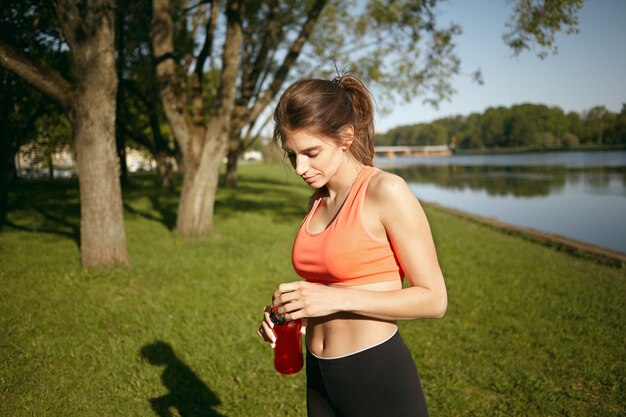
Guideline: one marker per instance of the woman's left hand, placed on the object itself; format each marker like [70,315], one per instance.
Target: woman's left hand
[301,299]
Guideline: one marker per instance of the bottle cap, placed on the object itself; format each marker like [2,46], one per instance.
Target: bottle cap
[276,317]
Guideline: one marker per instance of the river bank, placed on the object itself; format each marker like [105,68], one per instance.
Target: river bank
[527,149]
[561,243]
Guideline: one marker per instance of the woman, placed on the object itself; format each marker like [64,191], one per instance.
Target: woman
[365,232]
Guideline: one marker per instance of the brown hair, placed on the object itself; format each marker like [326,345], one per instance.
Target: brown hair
[326,108]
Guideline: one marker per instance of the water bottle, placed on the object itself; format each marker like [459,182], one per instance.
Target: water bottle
[288,351]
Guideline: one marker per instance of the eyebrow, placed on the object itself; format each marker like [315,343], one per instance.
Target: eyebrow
[312,148]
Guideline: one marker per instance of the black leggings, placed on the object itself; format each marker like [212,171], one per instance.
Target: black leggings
[380,381]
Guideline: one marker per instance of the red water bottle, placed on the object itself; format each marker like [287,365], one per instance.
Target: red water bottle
[288,351]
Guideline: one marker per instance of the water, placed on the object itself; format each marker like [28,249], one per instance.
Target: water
[580,195]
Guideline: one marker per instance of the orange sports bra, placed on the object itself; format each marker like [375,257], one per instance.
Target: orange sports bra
[345,253]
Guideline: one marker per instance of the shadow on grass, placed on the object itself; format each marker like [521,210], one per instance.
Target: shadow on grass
[46,206]
[283,202]
[187,393]
[163,201]
[53,206]
[259,195]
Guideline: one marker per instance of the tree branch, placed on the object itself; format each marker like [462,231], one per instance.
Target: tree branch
[161,37]
[290,59]
[197,82]
[270,35]
[207,47]
[232,48]
[46,80]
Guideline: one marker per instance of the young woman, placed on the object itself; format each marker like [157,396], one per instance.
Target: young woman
[364,233]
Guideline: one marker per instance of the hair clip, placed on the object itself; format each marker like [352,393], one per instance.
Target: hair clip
[337,80]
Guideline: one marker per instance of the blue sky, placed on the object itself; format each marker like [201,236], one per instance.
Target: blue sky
[589,69]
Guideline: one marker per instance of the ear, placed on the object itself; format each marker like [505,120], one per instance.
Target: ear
[348,137]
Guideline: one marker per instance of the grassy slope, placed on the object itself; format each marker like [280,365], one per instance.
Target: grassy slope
[529,331]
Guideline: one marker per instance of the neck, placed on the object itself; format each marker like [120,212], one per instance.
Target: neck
[342,182]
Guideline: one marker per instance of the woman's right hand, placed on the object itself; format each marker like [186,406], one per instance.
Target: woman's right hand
[265,331]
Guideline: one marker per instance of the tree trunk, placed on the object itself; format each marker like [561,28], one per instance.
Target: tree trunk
[231,168]
[163,170]
[50,163]
[235,149]
[9,145]
[92,113]
[120,63]
[102,235]
[197,200]
[120,148]
[7,174]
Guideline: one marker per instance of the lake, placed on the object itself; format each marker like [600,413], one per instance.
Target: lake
[575,194]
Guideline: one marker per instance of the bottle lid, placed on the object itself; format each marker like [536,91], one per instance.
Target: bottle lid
[276,317]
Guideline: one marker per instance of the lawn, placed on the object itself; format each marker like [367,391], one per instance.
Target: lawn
[529,331]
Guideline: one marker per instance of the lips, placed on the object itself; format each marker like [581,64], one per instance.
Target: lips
[309,180]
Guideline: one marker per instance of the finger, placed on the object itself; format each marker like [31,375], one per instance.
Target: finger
[269,333]
[285,288]
[287,298]
[263,335]
[290,308]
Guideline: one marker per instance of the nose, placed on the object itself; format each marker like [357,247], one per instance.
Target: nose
[301,165]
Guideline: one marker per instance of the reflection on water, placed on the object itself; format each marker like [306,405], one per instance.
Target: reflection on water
[519,181]
[581,195]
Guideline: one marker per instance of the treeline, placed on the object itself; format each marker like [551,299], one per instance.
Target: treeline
[524,125]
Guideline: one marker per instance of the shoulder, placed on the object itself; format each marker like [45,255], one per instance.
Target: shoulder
[388,187]
[392,198]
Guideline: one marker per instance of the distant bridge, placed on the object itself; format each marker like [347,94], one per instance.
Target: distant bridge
[394,151]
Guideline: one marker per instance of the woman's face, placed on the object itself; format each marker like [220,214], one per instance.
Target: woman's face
[315,159]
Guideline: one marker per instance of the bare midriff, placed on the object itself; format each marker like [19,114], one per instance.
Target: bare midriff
[341,334]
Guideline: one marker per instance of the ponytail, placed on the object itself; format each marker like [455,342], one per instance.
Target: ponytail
[362,102]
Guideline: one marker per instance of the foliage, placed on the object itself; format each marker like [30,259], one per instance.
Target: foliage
[529,331]
[400,47]
[536,22]
[140,122]
[524,125]
[30,26]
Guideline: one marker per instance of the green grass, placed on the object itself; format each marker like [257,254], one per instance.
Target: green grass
[529,331]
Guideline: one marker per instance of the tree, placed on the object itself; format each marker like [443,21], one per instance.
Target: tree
[575,125]
[619,127]
[596,121]
[87,94]
[493,127]
[201,139]
[53,136]
[20,106]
